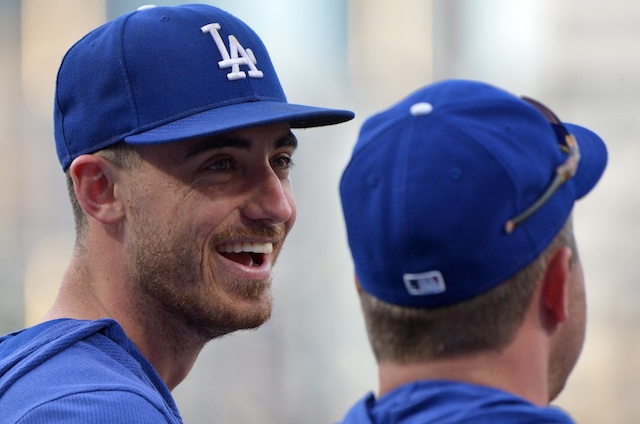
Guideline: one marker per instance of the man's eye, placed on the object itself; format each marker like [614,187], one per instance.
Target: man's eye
[220,165]
[283,162]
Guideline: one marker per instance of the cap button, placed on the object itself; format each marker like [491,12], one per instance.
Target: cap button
[422,108]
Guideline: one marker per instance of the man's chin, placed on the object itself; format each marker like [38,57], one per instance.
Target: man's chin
[248,316]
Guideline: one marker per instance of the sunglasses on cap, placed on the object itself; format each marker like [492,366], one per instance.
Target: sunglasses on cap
[564,172]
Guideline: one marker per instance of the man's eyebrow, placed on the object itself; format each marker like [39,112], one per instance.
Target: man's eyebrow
[225,141]
[288,140]
[217,142]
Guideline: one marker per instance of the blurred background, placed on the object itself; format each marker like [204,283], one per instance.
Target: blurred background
[312,360]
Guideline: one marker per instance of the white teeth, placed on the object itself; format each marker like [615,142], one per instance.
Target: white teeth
[246,247]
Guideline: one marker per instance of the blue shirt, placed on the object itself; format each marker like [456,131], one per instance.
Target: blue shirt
[449,402]
[68,370]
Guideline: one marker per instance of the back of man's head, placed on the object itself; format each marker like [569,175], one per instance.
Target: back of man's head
[453,200]
[485,322]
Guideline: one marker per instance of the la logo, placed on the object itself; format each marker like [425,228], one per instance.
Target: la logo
[230,58]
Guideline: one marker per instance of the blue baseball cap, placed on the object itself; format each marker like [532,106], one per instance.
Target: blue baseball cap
[165,74]
[433,181]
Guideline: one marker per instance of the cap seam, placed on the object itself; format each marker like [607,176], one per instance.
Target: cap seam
[124,68]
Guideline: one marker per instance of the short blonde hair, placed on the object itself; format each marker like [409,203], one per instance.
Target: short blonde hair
[488,321]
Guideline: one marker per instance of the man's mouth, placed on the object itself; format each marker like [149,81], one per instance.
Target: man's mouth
[247,254]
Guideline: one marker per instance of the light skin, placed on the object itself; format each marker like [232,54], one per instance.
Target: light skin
[537,362]
[158,254]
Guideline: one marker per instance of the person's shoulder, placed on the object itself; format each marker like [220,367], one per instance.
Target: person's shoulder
[61,331]
[71,364]
[506,415]
[101,406]
[495,405]
[447,402]
[60,345]
[465,403]
[486,405]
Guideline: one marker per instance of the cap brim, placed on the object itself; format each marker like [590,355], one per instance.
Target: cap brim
[238,116]
[593,159]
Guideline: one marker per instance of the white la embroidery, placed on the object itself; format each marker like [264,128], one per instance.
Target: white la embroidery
[231,59]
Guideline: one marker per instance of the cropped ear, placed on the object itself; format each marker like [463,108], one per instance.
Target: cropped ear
[555,288]
[94,181]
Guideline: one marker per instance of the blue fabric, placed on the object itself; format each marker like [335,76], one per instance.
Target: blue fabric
[155,76]
[67,370]
[448,402]
[433,181]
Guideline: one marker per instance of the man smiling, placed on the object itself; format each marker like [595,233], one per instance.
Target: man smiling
[175,137]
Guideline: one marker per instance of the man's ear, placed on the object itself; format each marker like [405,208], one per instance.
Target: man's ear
[94,182]
[555,288]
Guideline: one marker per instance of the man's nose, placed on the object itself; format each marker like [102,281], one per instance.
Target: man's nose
[270,199]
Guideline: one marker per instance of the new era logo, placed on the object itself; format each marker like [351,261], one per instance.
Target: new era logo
[424,283]
[235,57]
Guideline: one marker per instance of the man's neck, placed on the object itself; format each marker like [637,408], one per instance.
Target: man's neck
[517,369]
[170,348]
